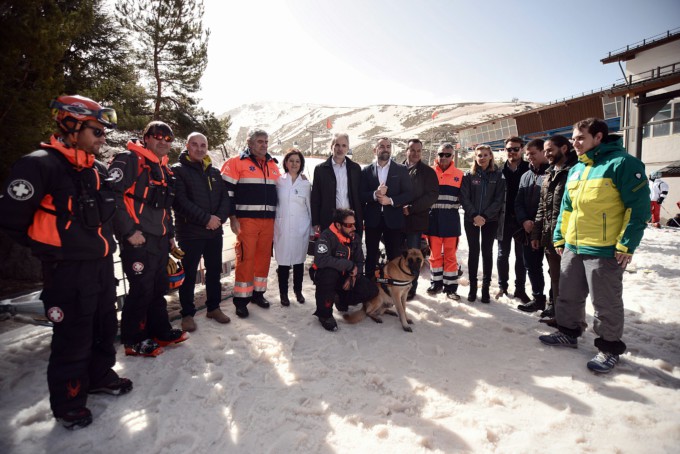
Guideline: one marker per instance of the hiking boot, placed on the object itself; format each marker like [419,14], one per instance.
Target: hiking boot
[299,297]
[284,300]
[260,300]
[329,324]
[472,294]
[115,388]
[188,323]
[603,362]
[174,336]
[502,292]
[559,339]
[242,311]
[75,419]
[450,291]
[486,297]
[549,312]
[147,347]
[522,295]
[533,306]
[435,287]
[218,316]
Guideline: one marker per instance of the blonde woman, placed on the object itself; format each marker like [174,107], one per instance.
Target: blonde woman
[482,197]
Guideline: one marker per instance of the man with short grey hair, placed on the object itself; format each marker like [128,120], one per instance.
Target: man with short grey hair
[251,183]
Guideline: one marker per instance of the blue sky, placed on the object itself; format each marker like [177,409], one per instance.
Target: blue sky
[361,52]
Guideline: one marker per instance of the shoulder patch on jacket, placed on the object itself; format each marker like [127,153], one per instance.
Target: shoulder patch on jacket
[20,190]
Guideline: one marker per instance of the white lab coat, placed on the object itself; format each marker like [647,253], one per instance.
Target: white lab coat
[293,223]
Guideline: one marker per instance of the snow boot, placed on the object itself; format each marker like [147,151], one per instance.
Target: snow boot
[147,347]
[260,300]
[115,388]
[472,295]
[76,419]
[486,298]
[174,336]
[435,287]
[451,290]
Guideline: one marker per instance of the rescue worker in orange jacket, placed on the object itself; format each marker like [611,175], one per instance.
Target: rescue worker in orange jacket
[57,201]
[251,183]
[444,225]
[143,225]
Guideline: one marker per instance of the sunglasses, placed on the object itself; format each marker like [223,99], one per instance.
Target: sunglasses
[515,149]
[160,136]
[97,132]
[105,116]
[348,225]
[444,155]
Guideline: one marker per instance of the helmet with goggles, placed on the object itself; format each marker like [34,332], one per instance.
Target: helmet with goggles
[70,112]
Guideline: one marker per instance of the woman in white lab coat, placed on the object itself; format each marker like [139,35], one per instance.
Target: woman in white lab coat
[293,225]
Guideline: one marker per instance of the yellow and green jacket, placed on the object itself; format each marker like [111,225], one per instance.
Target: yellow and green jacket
[606,205]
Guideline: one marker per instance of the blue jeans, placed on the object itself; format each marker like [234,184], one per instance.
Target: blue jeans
[503,259]
[533,262]
[211,251]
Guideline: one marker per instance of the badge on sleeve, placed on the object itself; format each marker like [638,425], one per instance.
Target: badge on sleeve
[321,248]
[20,190]
[116,174]
[55,314]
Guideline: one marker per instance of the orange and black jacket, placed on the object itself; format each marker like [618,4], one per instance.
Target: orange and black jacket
[56,201]
[144,188]
[251,184]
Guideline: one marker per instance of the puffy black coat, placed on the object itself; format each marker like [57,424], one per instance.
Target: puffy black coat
[199,193]
[550,202]
[529,193]
[425,192]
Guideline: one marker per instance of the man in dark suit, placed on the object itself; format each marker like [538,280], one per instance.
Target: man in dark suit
[385,188]
[338,176]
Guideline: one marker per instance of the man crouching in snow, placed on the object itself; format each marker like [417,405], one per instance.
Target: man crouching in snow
[337,259]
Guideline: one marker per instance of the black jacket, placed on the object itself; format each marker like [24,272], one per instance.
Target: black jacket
[341,255]
[199,193]
[529,193]
[552,190]
[323,192]
[399,189]
[41,200]
[512,180]
[425,193]
[483,193]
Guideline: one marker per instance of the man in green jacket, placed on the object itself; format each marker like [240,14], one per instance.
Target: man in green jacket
[602,219]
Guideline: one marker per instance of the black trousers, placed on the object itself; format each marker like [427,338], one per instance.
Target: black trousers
[80,299]
[283,272]
[487,233]
[329,291]
[211,251]
[145,313]
[392,239]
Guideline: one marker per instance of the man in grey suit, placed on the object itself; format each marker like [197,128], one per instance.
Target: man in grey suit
[385,188]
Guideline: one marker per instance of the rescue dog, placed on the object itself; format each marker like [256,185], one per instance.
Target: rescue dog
[393,286]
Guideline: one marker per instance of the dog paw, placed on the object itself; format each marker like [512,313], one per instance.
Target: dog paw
[408,329]
[377,319]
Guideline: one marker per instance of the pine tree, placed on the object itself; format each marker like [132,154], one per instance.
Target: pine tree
[172,47]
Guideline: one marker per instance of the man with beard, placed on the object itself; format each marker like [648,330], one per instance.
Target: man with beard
[513,169]
[385,188]
[425,192]
[526,206]
[56,201]
[337,260]
[561,158]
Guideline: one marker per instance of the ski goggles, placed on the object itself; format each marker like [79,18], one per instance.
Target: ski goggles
[105,116]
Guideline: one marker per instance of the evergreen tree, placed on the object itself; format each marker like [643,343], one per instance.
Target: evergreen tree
[172,47]
[97,64]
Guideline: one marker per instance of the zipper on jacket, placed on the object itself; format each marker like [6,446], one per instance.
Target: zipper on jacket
[604,226]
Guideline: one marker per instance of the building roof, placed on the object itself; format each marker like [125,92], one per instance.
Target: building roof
[671,170]
[629,52]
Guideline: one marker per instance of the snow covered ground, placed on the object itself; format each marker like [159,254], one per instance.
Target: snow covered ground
[470,378]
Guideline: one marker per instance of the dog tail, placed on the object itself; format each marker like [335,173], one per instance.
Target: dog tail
[356,316]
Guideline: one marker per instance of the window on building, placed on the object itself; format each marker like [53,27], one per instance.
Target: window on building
[660,125]
[613,107]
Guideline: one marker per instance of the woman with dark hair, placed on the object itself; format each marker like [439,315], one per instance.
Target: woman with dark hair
[293,224]
[482,195]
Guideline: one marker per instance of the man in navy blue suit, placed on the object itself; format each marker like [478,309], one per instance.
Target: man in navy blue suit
[385,188]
